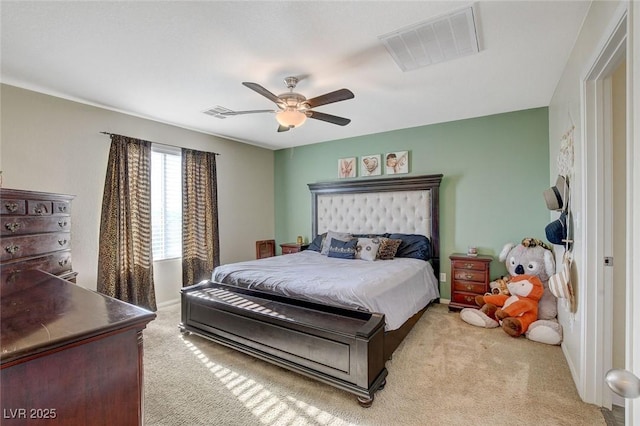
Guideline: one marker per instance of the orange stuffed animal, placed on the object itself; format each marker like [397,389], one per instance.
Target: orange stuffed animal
[521,308]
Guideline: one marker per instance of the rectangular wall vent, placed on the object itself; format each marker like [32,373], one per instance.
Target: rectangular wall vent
[442,39]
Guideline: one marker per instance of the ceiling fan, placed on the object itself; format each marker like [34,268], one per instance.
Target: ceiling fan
[293,108]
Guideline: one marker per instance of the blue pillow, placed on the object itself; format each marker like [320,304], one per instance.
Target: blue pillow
[316,244]
[413,245]
[343,249]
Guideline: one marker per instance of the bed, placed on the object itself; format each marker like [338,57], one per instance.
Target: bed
[340,326]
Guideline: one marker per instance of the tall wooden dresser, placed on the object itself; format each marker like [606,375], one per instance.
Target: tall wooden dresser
[70,356]
[36,233]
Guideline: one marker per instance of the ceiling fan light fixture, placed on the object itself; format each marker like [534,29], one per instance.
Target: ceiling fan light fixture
[291,117]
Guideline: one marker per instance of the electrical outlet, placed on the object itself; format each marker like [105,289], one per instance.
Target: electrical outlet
[443,277]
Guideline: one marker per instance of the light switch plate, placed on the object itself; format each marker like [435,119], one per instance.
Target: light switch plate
[443,277]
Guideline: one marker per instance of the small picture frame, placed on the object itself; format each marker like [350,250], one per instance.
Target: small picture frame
[347,167]
[396,162]
[371,165]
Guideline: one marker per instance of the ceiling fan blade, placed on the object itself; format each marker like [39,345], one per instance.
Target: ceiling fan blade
[261,90]
[329,98]
[334,119]
[282,128]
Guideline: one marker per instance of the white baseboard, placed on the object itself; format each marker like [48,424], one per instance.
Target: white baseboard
[445,301]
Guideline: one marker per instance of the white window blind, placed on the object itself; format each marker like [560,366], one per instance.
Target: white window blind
[166,202]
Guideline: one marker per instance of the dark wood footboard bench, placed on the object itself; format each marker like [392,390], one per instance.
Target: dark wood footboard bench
[341,347]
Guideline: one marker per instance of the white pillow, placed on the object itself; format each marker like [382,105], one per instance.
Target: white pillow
[342,236]
[367,248]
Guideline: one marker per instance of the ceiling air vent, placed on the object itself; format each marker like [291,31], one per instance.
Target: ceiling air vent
[217,111]
[448,37]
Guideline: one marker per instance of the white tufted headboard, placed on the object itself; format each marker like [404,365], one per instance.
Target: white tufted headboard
[407,205]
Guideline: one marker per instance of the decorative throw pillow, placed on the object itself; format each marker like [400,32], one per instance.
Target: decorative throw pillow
[367,248]
[388,248]
[413,245]
[316,244]
[342,249]
[342,236]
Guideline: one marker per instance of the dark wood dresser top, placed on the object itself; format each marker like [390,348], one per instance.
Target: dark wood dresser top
[40,312]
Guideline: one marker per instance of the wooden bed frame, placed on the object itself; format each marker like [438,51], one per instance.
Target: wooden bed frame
[345,348]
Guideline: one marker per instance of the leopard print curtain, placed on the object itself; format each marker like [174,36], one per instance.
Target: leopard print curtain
[200,239]
[125,263]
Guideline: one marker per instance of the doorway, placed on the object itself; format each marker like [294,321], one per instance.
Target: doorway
[608,200]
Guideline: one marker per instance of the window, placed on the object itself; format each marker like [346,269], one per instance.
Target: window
[166,202]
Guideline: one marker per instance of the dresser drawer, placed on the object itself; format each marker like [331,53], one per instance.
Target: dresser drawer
[61,207]
[9,206]
[468,286]
[470,265]
[468,275]
[32,245]
[58,263]
[39,207]
[33,225]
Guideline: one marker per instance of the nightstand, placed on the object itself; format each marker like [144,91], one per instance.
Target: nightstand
[469,278]
[288,248]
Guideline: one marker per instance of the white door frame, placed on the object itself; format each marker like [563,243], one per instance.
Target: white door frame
[632,415]
[597,301]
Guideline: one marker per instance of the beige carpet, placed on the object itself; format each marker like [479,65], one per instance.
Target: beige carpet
[446,372]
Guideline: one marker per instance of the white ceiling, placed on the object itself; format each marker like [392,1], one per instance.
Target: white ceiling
[169,61]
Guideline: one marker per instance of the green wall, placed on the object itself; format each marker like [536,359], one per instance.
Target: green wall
[495,169]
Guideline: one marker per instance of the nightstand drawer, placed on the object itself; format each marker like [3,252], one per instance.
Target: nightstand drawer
[471,264]
[288,248]
[468,286]
[468,275]
[466,299]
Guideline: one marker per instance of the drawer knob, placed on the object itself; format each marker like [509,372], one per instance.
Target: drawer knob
[468,276]
[62,242]
[63,262]
[62,223]
[39,210]
[11,207]
[11,249]
[62,208]
[470,299]
[12,226]
[468,265]
[469,287]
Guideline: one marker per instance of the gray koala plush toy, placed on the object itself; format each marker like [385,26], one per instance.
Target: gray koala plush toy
[531,257]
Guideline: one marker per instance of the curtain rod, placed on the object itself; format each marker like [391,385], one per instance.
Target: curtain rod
[156,143]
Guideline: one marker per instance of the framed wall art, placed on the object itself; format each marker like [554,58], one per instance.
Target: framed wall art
[396,162]
[371,165]
[347,167]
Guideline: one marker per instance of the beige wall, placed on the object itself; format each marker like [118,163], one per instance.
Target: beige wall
[54,145]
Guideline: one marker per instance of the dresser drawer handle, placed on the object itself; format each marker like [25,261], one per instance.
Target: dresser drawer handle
[63,262]
[12,248]
[13,226]
[469,287]
[469,299]
[468,276]
[468,265]
[62,242]
[62,208]
[62,224]
[11,207]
